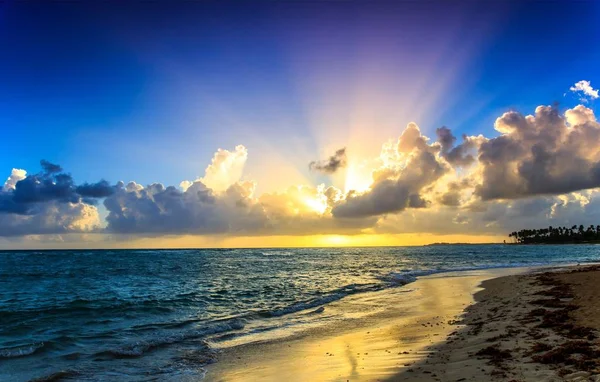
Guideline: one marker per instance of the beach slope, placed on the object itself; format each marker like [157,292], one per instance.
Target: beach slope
[534,327]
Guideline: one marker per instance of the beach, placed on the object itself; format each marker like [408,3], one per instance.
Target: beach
[519,324]
[379,346]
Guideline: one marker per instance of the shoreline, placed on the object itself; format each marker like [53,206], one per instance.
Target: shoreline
[462,326]
[376,347]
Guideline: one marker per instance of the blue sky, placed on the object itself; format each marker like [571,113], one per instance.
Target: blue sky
[148,92]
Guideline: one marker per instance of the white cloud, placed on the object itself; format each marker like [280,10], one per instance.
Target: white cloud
[226,168]
[586,88]
[15,176]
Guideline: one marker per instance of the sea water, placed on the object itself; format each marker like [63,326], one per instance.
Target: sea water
[165,314]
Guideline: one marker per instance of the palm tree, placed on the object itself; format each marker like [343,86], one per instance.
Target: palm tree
[557,234]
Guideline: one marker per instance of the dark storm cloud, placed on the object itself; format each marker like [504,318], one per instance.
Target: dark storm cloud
[331,165]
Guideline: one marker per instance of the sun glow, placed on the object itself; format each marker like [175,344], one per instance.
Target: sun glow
[316,205]
[358,178]
[336,240]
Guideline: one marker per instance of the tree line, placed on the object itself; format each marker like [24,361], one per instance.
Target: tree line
[557,235]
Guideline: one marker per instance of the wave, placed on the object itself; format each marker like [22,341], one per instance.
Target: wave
[141,347]
[334,295]
[20,351]
[409,276]
[225,327]
[393,279]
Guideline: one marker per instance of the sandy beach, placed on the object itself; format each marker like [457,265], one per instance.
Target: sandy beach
[524,325]
[535,327]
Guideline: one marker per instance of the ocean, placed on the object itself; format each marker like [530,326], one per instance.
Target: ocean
[140,315]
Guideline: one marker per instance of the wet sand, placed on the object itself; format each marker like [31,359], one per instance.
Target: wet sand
[378,347]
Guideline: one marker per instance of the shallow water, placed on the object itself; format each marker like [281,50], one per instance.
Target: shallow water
[160,314]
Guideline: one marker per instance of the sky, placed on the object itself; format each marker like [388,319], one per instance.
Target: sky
[221,124]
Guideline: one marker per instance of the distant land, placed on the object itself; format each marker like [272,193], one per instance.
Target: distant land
[443,243]
[557,235]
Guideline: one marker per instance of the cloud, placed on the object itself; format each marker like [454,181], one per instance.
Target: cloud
[50,168]
[540,154]
[225,169]
[539,167]
[331,165]
[462,155]
[498,217]
[585,88]
[48,202]
[15,176]
[100,189]
[411,165]
[21,193]
[453,192]
[579,115]
[165,210]
[198,209]
[51,217]
[394,194]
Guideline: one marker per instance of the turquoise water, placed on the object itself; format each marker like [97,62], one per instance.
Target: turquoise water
[160,314]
